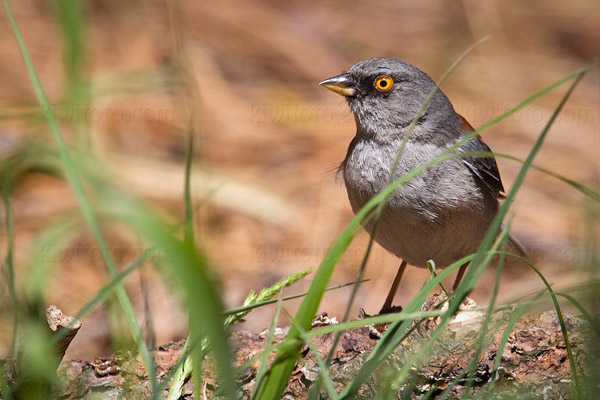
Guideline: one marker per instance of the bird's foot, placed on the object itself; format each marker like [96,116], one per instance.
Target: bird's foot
[389,309]
[377,330]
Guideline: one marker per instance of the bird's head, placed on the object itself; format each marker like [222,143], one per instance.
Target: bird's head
[386,94]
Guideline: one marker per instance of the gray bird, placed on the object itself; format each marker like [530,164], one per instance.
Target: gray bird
[443,213]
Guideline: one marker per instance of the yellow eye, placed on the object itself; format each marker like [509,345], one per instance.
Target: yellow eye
[384,83]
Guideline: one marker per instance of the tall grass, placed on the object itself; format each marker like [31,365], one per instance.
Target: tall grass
[290,351]
[208,320]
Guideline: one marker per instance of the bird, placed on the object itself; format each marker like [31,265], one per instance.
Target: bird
[443,213]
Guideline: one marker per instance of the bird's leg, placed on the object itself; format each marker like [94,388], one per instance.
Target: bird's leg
[459,276]
[387,306]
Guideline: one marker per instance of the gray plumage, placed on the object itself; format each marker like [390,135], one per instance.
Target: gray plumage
[443,213]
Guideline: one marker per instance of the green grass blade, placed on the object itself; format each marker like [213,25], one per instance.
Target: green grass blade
[182,370]
[472,368]
[290,349]
[454,302]
[109,288]
[277,377]
[519,180]
[100,296]
[263,296]
[594,62]
[105,292]
[591,193]
[252,301]
[469,282]
[471,276]
[514,317]
[286,298]
[184,367]
[8,270]
[188,232]
[264,356]
[496,223]
[190,267]
[289,352]
[84,204]
[431,268]
[47,251]
[374,320]
[281,370]
[323,368]
[391,318]
[72,18]
[71,22]
[188,239]
[561,320]
[391,177]
[547,89]
[396,332]
[178,372]
[584,313]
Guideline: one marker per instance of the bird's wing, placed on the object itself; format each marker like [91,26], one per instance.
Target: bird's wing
[485,168]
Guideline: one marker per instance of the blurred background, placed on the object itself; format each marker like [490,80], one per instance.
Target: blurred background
[129,79]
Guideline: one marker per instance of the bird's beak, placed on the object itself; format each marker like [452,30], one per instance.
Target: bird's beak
[342,84]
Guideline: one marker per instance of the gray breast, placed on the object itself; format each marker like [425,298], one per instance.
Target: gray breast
[441,214]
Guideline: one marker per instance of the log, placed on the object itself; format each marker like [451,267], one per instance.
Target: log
[533,361]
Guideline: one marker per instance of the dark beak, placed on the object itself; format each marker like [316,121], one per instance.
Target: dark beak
[342,84]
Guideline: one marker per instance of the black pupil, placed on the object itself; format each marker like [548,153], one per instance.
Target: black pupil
[383,83]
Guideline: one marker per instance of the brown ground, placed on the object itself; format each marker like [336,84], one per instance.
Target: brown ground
[534,360]
[269,137]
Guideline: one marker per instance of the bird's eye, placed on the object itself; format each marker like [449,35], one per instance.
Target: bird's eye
[384,83]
